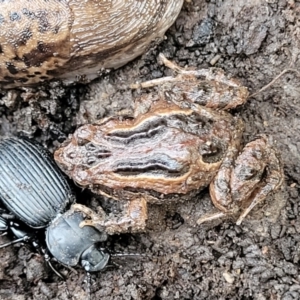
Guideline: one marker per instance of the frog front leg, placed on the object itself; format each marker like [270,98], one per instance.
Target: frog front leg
[133,219]
[242,184]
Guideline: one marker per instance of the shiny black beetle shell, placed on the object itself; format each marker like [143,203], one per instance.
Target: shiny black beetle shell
[36,192]
[31,185]
[3,225]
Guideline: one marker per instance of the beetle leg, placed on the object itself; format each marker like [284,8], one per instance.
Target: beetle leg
[48,261]
[133,219]
[20,240]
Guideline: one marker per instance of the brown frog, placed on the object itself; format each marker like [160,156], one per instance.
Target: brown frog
[177,144]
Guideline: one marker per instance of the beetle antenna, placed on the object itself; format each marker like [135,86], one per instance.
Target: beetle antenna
[48,260]
[127,254]
[23,239]
[113,264]
[61,276]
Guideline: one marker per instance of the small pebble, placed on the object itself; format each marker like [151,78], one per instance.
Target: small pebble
[228,277]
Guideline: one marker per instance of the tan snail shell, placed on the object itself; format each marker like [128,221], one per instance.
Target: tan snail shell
[69,39]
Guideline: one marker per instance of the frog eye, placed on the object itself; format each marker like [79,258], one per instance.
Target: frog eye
[82,142]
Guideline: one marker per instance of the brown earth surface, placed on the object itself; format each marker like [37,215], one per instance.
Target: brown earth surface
[253,41]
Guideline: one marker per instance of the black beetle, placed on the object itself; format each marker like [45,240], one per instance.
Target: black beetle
[36,196]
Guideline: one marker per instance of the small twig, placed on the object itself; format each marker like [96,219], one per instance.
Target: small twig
[274,80]
[153,82]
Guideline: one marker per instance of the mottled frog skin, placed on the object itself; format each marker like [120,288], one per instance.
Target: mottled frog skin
[178,143]
[74,39]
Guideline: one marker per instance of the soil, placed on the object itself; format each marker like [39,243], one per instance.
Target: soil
[253,41]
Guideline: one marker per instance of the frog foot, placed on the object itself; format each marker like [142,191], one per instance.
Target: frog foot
[133,219]
[243,183]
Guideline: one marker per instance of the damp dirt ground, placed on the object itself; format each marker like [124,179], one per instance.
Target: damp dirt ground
[253,41]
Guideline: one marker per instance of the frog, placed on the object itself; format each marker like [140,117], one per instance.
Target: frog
[180,140]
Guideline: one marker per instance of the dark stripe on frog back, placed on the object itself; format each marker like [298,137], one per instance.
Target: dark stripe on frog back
[190,123]
[158,165]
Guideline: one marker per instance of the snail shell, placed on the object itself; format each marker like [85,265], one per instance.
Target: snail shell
[71,39]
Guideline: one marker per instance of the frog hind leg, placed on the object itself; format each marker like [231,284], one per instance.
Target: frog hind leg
[204,87]
[273,178]
[220,187]
[133,219]
[241,185]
